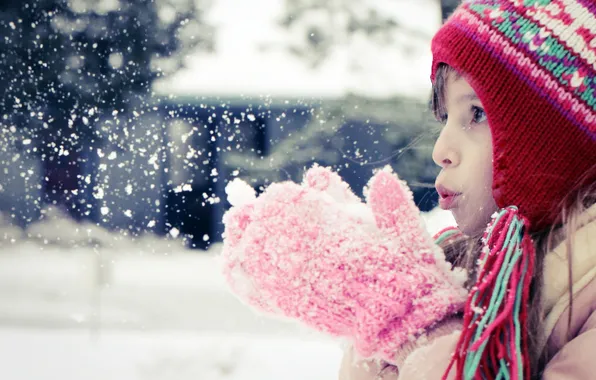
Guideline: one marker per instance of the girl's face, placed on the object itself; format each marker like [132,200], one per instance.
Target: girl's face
[464,153]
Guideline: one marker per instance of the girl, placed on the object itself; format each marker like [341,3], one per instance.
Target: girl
[514,84]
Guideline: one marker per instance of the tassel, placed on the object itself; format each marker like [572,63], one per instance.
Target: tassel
[493,343]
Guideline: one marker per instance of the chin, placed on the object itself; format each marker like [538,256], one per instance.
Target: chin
[467,226]
[465,229]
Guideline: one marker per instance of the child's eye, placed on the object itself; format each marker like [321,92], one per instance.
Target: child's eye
[479,116]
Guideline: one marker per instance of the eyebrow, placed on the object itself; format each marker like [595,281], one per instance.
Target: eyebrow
[467,97]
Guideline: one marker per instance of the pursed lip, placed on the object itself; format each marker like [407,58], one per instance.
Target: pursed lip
[447,197]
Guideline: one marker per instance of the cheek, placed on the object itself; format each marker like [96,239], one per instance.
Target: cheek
[488,171]
[483,163]
[483,192]
[478,204]
[487,176]
[474,216]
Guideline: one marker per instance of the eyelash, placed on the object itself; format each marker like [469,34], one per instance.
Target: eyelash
[476,111]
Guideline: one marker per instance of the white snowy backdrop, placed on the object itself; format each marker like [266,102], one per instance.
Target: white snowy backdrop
[78,301]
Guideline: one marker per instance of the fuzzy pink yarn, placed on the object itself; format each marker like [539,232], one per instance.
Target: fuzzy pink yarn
[314,252]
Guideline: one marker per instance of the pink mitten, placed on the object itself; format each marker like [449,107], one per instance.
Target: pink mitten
[314,252]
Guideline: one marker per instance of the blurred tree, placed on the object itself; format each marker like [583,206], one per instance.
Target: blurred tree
[354,135]
[324,25]
[70,69]
[342,132]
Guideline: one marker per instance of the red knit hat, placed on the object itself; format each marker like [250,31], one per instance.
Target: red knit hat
[532,64]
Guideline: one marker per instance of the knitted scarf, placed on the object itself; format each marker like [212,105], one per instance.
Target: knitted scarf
[493,343]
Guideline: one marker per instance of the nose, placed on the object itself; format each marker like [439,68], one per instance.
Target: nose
[445,153]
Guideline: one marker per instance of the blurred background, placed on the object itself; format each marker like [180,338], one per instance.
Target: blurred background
[121,122]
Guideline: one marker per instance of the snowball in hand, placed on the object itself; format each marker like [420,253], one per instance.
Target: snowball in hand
[373,276]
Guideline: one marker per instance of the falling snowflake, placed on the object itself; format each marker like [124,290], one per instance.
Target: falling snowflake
[98,193]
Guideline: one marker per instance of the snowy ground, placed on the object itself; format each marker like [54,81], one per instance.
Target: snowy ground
[114,308]
[116,355]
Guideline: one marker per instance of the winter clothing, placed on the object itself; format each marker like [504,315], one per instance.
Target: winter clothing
[314,252]
[532,64]
[569,356]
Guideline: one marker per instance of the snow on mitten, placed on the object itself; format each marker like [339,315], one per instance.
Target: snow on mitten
[315,253]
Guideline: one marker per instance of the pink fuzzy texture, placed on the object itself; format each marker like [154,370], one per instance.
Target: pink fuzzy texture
[368,272]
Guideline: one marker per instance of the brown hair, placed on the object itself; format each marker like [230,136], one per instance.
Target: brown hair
[465,252]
